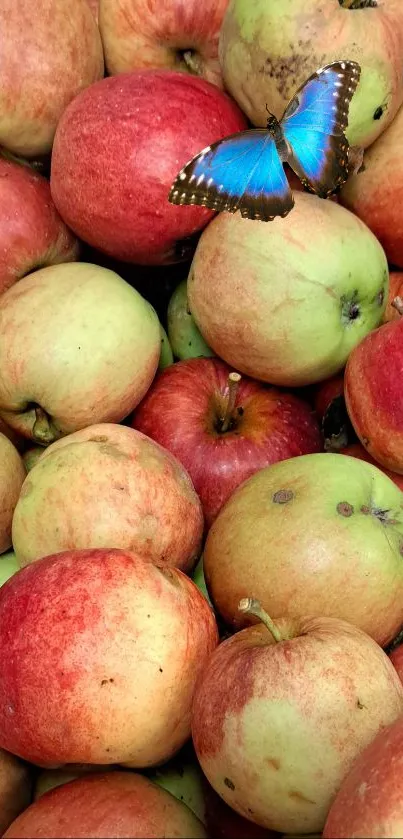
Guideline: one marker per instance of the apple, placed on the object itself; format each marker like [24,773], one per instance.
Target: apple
[370,800]
[148,34]
[395,290]
[166,354]
[31,456]
[330,407]
[199,580]
[118,804]
[285,302]
[357,450]
[115,685]
[32,234]
[48,779]
[109,485]
[111,184]
[373,394]
[396,657]
[223,427]
[15,788]
[49,53]
[94,6]
[224,823]
[12,476]
[318,535]
[268,49]
[78,345]
[282,710]
[8,566]
[186,339]
[374,192]
[183,778]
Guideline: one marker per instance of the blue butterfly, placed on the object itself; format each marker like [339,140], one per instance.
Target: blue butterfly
[245,171]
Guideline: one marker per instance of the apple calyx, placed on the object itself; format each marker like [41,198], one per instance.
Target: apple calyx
[225,413]
[190,60]
[397,304]
[250,606]
[358,4]
[43,431]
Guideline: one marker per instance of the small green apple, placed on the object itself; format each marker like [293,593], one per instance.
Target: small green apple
[183,778]
[186,339]
[166,354]
[8,566]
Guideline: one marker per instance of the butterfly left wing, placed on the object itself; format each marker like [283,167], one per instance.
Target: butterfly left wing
[242,172]
[314,123]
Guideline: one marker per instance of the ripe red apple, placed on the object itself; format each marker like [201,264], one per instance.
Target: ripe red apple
[375,192]
[15,788]
[49,52]
[118,804]
[395,290]
[370,800]
[32,234]
[373,393]
[12,476]
[109,485]
[222,427]
[78,345]
[100,654]
[318,535]
[286,302]
[268,49]
[396,657]
[357,450]
[143,34]
[111,184]
[282,710]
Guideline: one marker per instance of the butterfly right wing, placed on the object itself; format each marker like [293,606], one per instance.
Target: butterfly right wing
[242,172]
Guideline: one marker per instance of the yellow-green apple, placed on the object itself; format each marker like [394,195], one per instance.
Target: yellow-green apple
[183,778]
[395,290]
[286,302]
[223,427]
[118,804]
[374,396]
[282,710]
[49,53]
[111,184]
[8,566]
[109,485]
[32,234]
[12,476]
[268,49]
[15,788]
[318,535]
[148,34]
[370,800]
[115,685]
[31,455]
[78,345]
[357,450]
[186,339]
[374,193]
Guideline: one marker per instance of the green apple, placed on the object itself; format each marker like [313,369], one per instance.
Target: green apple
[286,301]
[186,340]
[183,778]
[269,48]
[31,456]
[8,566]
[198,579]
[166,354]
[12,476]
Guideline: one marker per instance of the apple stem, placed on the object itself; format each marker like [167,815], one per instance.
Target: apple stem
[43,430]
[250,606]
[193,62]
[233,382]
[397,304]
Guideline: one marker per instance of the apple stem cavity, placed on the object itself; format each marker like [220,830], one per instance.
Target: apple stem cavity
[233,383]
[192,61]
[250,606]
[43,430]
[358,4]
[397,304]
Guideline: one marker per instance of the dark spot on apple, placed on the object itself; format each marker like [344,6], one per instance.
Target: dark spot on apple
[287,71]
[300,797]
[364,509]
[354,311]
[228,783]
[107,681]
[282,496]
[365,441]
[380,297]
[378,113]
[359,4]
[161,670]
[273,762]
[360,705]
[100,439]
[345,509]
[188,312]
[240,411]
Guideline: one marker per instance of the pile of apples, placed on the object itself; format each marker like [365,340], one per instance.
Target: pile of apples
[201,432]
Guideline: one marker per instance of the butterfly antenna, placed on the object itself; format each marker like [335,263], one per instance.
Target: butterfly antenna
[269,112]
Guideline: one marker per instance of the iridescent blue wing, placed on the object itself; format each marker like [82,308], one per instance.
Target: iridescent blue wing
[314,123]
[242,172]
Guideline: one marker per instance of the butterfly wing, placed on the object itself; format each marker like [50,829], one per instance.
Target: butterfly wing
[314,123]
[242,172]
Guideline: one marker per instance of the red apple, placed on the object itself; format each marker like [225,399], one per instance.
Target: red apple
[357,450]
[49,52]
[330,407]
[15,788]
[32,234]
[139,34]
[376,191]
[94,6]
[109,485]
[370,800]
[222,427]
[119,804]
[12,476]
[111,184]
[374,396]
[395,290]
[100,651]
[396,657]
[282,710]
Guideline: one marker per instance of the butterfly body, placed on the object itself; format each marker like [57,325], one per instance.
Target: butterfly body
[245,171]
